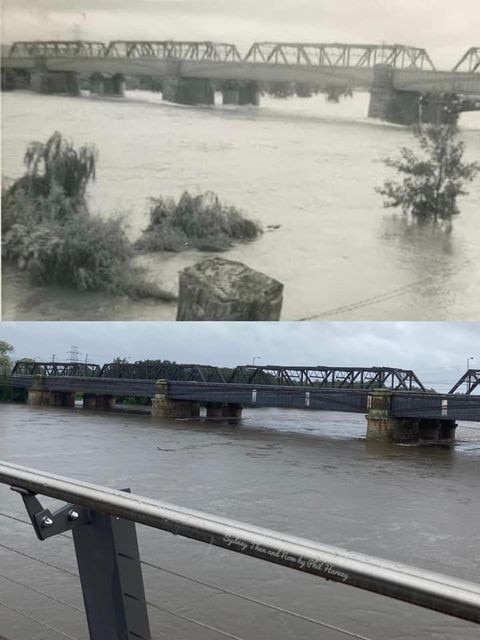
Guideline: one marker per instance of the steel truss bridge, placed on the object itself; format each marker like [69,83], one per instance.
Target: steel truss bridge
[319,377]
[322,64]
[317,54]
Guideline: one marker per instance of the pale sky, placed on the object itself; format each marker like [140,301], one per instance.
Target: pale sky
[436,351]
[447,29]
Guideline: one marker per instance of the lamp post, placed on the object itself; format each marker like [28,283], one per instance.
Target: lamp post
[255,358]
[468,361]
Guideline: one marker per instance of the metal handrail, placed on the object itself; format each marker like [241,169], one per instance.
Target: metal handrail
[427,589]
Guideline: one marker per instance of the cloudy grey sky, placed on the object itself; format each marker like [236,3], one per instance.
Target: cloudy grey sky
[436,351]
[446,28]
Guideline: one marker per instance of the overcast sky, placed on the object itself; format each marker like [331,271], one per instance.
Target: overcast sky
[447,29]
[436,351]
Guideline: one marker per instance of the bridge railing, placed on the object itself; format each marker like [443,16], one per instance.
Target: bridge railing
[102,521]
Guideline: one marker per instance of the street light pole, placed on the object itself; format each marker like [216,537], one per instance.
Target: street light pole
[468,361]
[255,358]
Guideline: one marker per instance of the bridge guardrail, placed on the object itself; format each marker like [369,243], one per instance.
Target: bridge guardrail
[102,522]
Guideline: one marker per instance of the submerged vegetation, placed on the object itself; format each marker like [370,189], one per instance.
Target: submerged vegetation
[432,182]
[49,232]
[200,222]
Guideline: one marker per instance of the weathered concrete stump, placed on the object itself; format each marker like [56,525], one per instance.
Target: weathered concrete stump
[165,407]
[219,289]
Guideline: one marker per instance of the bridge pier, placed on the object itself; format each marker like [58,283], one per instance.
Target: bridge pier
[41,398]
[165,407]
[406,107]
[381,425]
[231,93]
[249,93]
[233,412]
[189,91]
[55,82]
[95,402]
[107,86]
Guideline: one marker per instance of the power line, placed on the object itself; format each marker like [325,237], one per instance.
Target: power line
[42,624]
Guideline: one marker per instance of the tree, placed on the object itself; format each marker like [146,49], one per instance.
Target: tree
[433,181]
[57,163]
[5,360]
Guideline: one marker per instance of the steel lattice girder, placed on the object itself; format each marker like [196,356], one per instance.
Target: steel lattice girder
[340,55]
[166,371]
[56,369]
[174,50]
[345,377]
[58,48]
[469,381]
[470,62]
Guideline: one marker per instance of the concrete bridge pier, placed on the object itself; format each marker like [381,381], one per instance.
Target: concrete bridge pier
[233,412]
[189,91]
[97,85]
[55,82]
[114,85]
[165,407]
[250,94]
[214,410]
[8,80]
[381,425]
[41,398]
[406,107]
[95,402]
[231,93]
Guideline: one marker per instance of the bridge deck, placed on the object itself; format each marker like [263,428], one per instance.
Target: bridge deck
[407,404]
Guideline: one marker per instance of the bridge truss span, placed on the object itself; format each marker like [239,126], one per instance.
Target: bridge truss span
[340,55]
[58,49]
[174,50]
[60,369]
[468,383]
[330,377]
[165,371]
[470,62]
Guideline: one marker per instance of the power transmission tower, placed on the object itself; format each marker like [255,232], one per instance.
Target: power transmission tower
[73,353]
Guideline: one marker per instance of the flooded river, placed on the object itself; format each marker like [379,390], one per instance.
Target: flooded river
[306,165]
[310,474]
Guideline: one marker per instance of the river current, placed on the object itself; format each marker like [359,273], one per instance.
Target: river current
[308,474]
[304,165]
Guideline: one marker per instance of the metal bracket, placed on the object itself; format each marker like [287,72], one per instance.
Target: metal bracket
[48,524]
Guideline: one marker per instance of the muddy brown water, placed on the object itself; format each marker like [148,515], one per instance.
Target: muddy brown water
[309,474]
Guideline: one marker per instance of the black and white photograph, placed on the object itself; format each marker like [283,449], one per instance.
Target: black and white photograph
[237,160]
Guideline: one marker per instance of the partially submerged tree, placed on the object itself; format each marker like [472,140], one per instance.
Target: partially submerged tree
[432,182]
[57,164]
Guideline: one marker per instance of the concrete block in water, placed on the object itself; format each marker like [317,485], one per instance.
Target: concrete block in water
[219,289]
